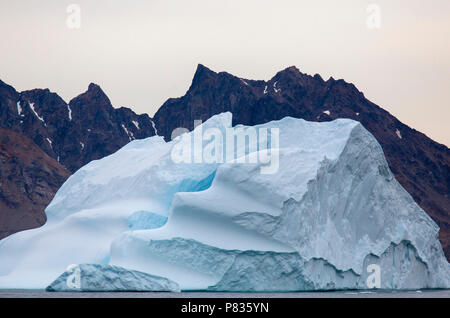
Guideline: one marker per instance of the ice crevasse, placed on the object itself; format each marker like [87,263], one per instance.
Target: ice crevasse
[331,210]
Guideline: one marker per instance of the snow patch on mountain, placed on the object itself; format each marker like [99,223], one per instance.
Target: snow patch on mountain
[69,110]
[154,127]
[35,113]
[128,132]
[276,90]
[19,109]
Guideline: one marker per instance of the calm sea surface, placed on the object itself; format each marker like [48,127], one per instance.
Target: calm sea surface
[344,294]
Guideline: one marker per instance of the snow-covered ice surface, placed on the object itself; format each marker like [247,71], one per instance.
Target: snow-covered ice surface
[332,209]
[102,278]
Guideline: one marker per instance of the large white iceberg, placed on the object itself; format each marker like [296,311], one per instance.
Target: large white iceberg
[329,213]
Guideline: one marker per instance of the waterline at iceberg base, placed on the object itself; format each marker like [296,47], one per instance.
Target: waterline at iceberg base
[331,212]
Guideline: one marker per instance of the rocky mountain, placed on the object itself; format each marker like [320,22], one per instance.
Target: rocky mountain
[421,165]
[75,133]
[29,179]
[45,139]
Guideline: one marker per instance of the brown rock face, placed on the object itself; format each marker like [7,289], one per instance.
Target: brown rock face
[421,165]
[29,179]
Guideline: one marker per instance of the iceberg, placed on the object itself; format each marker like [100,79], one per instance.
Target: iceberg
[107,278]
[331,216]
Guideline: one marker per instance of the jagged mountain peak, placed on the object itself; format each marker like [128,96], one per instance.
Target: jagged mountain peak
[5,85]
[38,91]
[202,74]
[74,133]
[205,76]
[202,68]
[290,71]
[42,96]
[6,89]
[94,88]
[93,96]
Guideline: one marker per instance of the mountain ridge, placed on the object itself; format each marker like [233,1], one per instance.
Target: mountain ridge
[63,130]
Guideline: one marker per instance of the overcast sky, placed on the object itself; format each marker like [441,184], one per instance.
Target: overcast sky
[141,52]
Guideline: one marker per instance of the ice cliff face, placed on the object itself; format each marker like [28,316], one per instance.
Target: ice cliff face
[329,213]
[101,278]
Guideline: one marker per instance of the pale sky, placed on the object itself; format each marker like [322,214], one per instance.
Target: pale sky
[142,52]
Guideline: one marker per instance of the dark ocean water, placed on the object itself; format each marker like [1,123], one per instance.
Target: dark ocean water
[8,293]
